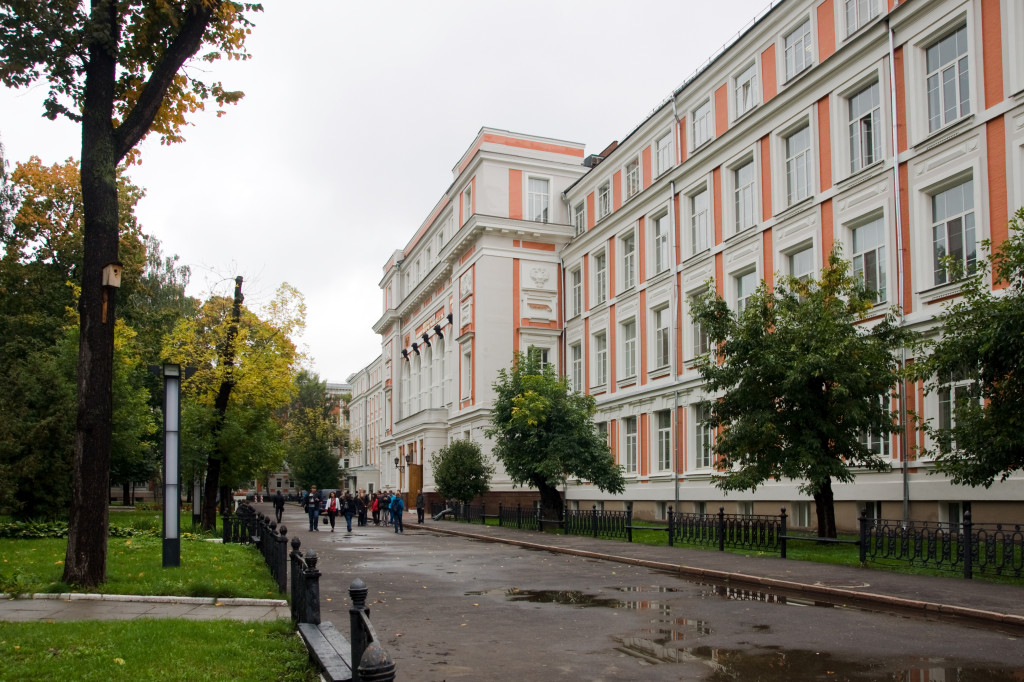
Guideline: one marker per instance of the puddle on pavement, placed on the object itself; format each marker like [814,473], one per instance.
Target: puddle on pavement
[784,665]
[673,640]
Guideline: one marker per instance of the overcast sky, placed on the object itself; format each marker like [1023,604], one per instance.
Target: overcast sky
[355,114]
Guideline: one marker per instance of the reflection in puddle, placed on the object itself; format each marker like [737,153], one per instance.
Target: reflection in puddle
[567,597]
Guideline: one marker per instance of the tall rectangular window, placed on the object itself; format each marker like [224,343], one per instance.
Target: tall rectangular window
[666,155]
[745,180]
[699,223]
[576,360]
[701,339]
[600,278]
[629,260]
[662,337]
[948,79]
[538,199]
[577,291]
[746,284]
[953,230]
[629,427]
[579,221]
[632,178]
[604,200]
[859,12]
[661,243]
[701,126]
[801,264]
[467,372]
[954,390]
[869,256]
[704,437]
[799,49]
[664,425]
[600,359]
[746,89]
[629,348]
[798,166]
[467,203]
[865,128]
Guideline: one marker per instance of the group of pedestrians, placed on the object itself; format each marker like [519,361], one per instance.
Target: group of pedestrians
[383,507]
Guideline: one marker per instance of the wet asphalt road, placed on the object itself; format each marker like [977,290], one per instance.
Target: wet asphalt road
[449,608]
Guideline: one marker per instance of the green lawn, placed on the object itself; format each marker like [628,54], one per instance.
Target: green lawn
[134,566]
[153,650]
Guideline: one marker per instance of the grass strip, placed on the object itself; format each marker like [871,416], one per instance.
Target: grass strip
[134,566]
[153,650]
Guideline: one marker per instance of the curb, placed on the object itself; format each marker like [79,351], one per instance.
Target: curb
[154,599]
[835,595]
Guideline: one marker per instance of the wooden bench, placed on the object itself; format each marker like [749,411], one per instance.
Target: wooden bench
[330,649]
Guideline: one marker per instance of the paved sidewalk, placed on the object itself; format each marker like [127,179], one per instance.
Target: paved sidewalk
[74,606]
[950,598]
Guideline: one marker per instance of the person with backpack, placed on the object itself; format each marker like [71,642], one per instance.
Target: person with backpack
[397,508]
[311,504]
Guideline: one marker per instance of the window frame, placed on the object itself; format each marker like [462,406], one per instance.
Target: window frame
[630,442]
[754,89]
[600,277]
[860,22]
[970,265]
[604,200]
[543,197]
[661,241]
[881,265]
[959,59]
[698,243]
[735,189]
[631,178]
[579,218]
[665,152]
[705,123]
[663,436]
[806,50]
[600,339]
[576,287]
[576,366]
[661,321]
[703,438]
[630,336]
[797,161]
[628,256]
[855,148]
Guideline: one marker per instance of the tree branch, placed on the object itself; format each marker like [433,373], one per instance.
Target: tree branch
[184,46]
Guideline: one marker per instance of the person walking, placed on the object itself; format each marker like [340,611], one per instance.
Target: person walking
[385,503]
[397,508]
[332,508]
[363,506]
[420,506]
[278,506]
[349,508]
[375,509]
[312,504]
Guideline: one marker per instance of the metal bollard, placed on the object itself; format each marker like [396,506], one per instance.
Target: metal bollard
[311,589]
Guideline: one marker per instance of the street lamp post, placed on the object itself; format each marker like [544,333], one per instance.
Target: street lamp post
[172,496]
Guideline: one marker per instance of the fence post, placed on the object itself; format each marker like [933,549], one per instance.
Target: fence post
[311,589]
[968,542]
[782,534]
[519,516]
[281,558]
[593,520]
[863,536]
[483,514]
[357,592]
[565,519]
[540,518]
[501,508]
[226,528]
[296,588]
[721,529]
[671,526]
[629,522]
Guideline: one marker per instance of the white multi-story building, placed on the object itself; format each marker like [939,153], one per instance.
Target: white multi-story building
[893,130]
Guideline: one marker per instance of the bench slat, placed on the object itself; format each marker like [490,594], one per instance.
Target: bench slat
[334,665]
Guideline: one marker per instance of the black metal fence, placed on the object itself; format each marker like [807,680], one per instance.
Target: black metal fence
[967,548]
[760,532]
[368,659]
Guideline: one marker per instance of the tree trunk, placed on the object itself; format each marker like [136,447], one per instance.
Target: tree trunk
[126,493]
[227,360]
[550,501]
[824,506]
[85,563]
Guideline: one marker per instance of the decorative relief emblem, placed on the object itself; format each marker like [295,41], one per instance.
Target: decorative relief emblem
[540,276]
[466,288]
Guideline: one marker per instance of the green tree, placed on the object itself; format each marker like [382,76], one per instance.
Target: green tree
[312,433]
[460,471]
[117,70]
[544,433]
[40,277]
[803,384]
[980,434]
[231,435]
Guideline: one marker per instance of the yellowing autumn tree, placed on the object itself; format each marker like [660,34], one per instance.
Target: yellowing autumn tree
[120,68]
